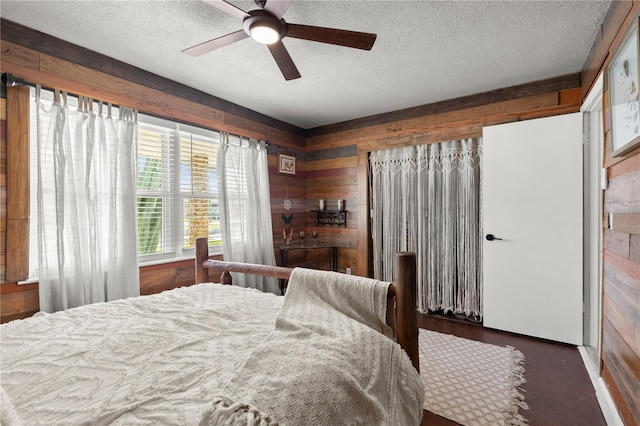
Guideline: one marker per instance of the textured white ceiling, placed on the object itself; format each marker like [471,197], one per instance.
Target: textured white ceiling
[426,51]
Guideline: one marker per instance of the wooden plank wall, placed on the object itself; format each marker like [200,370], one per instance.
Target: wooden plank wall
[283,186]
[15,301]
[331,176]
[621,240]
[42,59]
[3,185]
[621,299]
[621,269]
[337,154]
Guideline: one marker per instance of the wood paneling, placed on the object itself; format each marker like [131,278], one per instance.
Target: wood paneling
[627,166]
[20,302]
[472,117]
[158,278]
[634,248]
[3,191]
[622,304]
[616,395]
[617,242]
[623,193]
[621,264]
[20,56]
[621,300]
[295,189]
[571,96]
[624,367]
[629,223]
[331,175]
[17,239]
[496,96]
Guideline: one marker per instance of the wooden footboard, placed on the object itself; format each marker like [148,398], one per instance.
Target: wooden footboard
[402,293]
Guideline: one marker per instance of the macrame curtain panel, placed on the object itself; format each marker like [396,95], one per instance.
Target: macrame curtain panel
[426,199]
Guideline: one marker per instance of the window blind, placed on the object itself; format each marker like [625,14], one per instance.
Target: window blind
[155,203]
[199,185]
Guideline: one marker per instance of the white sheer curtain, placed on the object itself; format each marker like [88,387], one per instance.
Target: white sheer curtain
[245,208]
[426,199]
[86,203]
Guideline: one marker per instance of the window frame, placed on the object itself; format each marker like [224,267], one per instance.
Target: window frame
[176,196]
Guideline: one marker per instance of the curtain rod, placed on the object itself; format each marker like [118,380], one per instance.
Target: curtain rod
[10,80]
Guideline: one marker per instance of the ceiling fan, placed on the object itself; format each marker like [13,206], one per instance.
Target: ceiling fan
[266,26]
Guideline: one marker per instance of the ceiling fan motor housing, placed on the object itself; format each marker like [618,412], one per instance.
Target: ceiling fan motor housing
[262,18]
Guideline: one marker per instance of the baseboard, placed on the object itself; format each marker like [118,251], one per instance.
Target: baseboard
[607,405]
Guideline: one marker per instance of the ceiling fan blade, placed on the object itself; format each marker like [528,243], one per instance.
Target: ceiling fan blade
[216,43]
[278,7]
[284,61]
[346,38]
[228,7]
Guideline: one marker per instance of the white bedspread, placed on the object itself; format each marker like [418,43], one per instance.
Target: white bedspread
[156,358]
[327,362]
[179,357]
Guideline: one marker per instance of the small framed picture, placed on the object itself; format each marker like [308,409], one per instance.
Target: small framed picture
[286,164]
[623,85]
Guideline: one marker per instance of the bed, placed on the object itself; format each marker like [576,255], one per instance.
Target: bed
[212,354]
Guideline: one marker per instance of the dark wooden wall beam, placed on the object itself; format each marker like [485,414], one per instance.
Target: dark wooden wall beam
[555,84]
[44,43]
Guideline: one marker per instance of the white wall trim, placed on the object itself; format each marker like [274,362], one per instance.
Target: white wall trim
[608,407]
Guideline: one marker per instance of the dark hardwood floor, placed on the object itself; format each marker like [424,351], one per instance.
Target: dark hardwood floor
[558,389]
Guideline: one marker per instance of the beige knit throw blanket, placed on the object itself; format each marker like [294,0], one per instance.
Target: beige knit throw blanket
[307,370]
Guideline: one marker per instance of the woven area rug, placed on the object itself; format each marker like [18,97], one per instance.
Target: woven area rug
[469,382]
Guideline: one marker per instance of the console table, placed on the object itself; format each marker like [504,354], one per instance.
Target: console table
[284,256]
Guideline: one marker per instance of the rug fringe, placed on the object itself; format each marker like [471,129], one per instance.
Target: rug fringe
[516,379]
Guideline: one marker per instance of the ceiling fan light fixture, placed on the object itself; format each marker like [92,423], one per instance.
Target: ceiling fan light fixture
[263,27]
[264,34]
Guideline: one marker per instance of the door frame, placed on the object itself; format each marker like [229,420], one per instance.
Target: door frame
[593,179]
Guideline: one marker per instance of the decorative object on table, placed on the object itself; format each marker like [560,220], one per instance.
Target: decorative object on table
[287,201]
[287,229]
[331,217]
[314,234]
[321,204]
[340,205]
[302,235]
[286,164]
[483,380]
[623,86]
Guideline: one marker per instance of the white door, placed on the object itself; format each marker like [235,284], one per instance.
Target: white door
[532,201]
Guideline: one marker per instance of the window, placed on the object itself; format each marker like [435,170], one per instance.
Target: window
[177,187]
